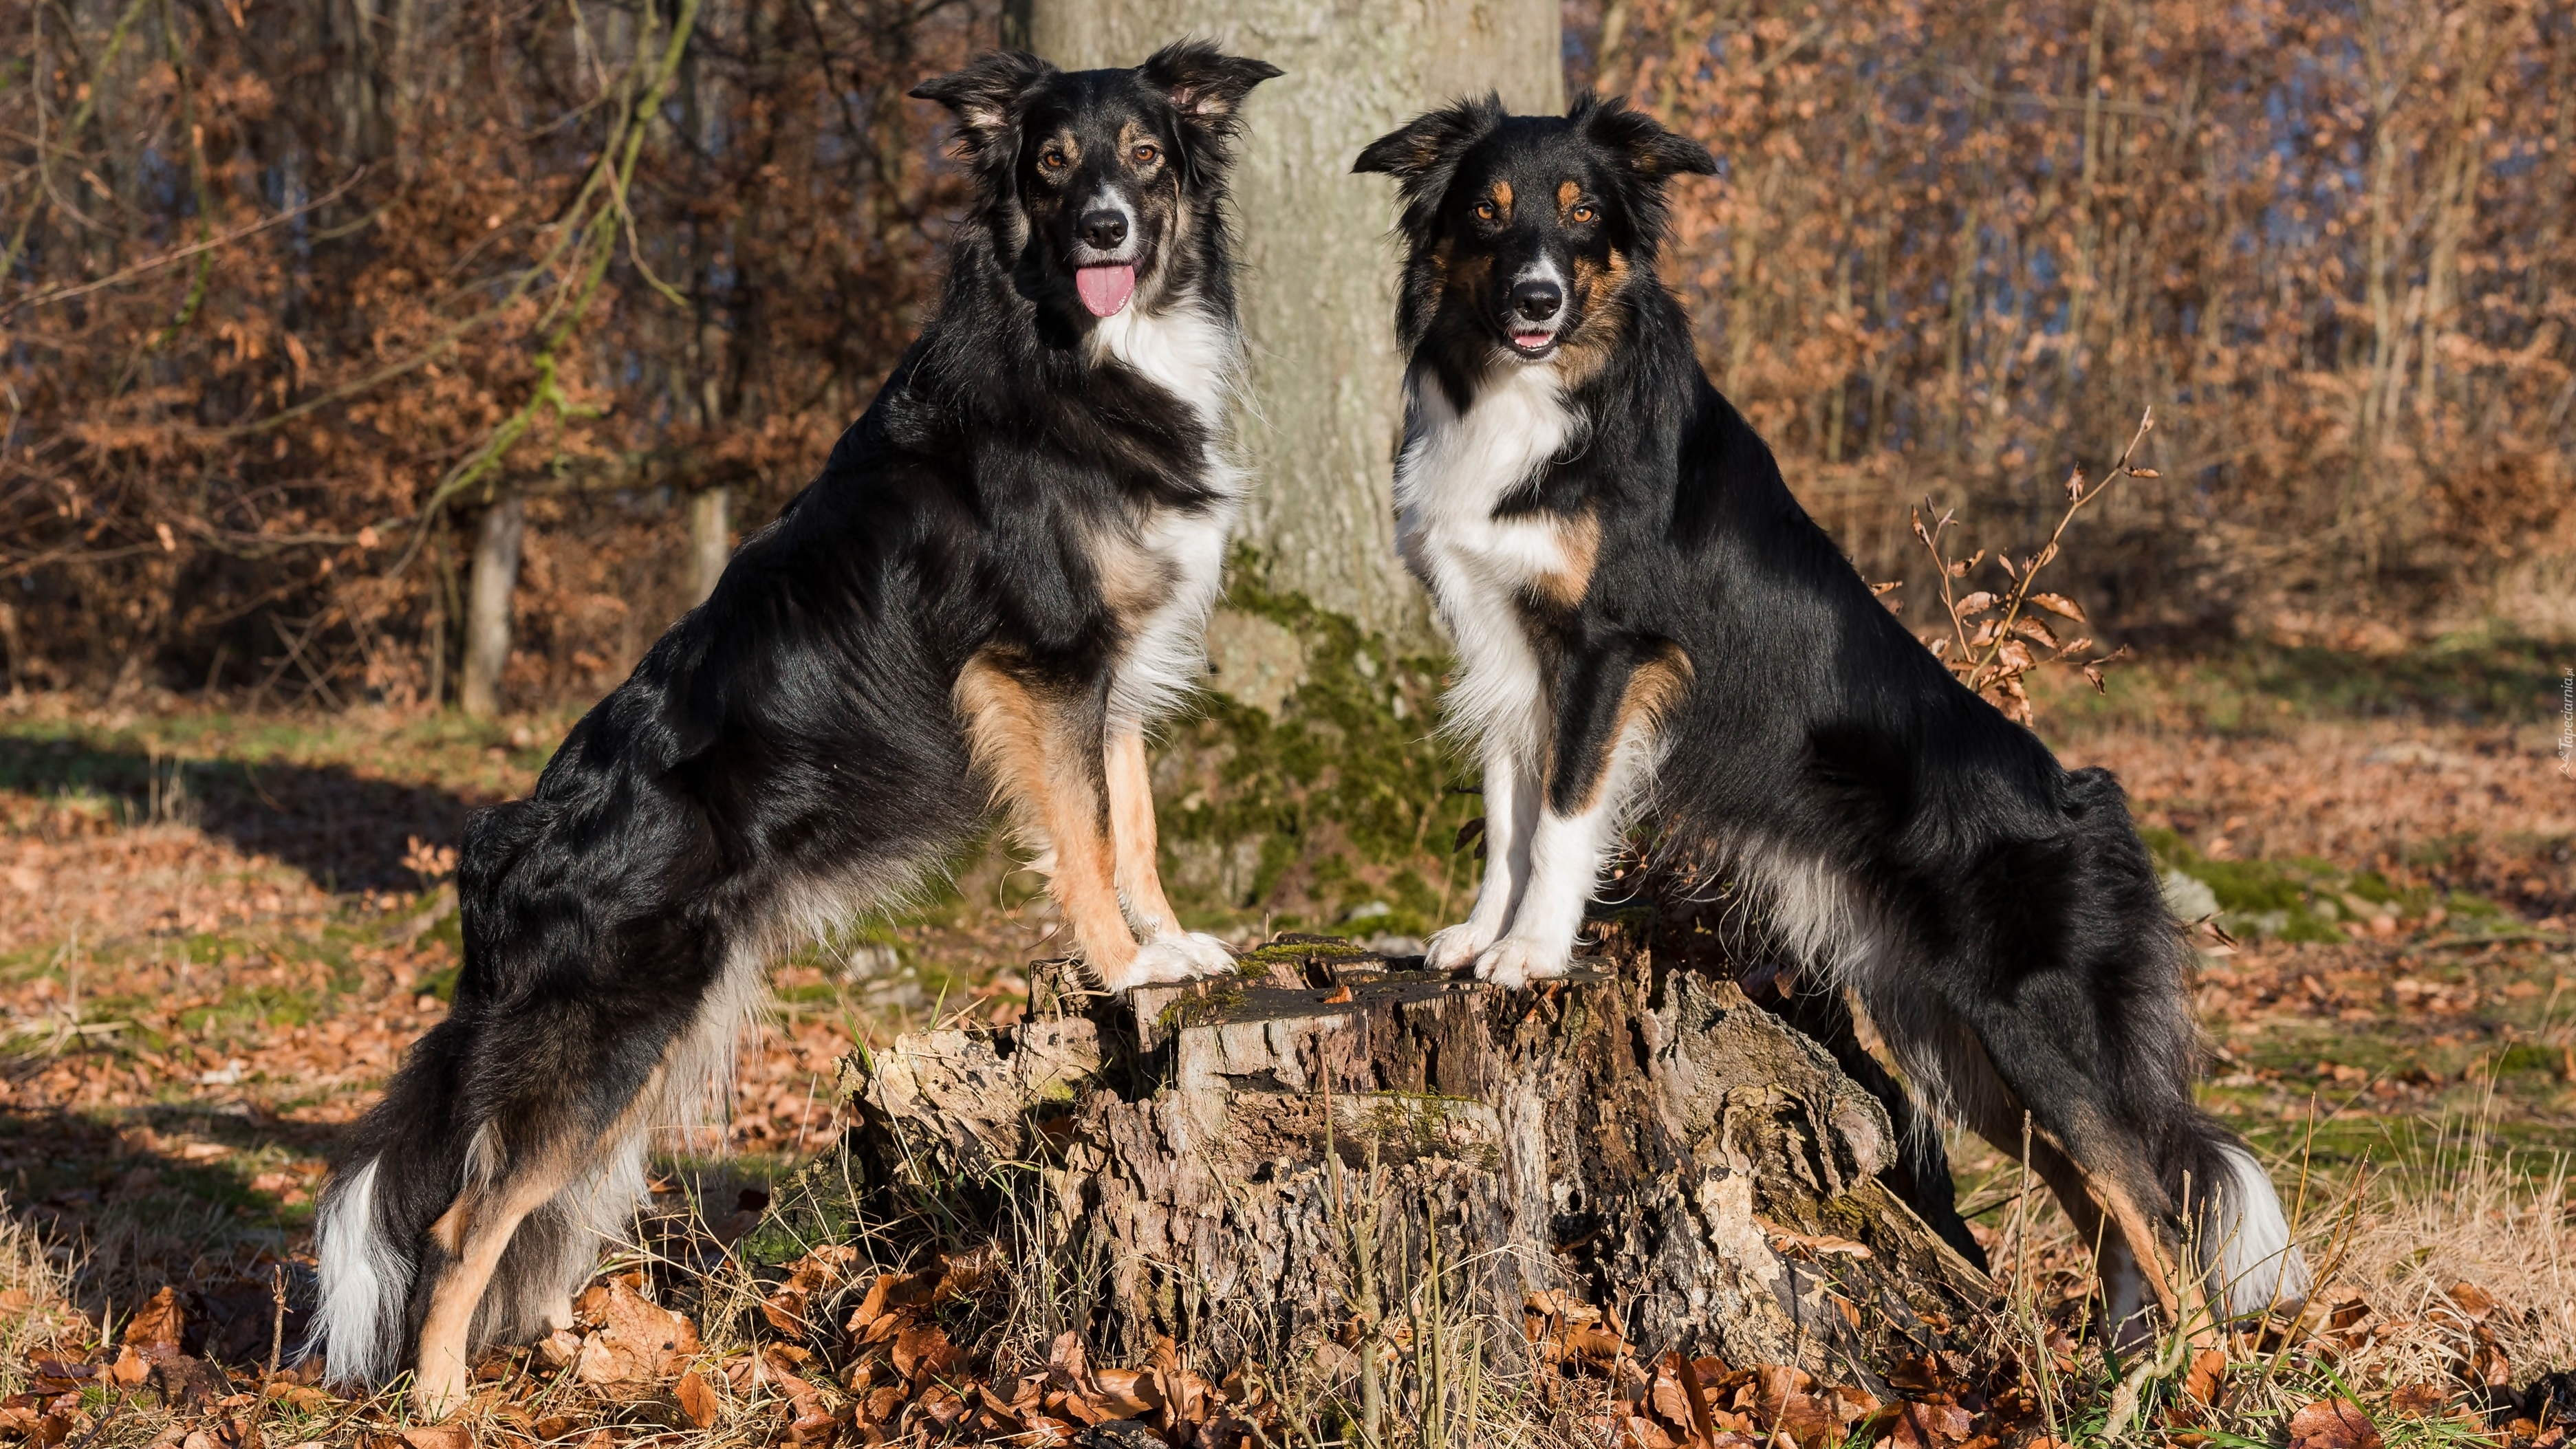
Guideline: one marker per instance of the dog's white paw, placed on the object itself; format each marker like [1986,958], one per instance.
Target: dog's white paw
[1178,957]
[1455,946]
[1518,961]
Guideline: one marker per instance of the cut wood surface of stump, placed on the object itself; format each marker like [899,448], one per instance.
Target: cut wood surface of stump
[1259,1163]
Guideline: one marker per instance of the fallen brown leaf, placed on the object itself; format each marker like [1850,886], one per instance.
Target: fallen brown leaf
[2472,1299]
[1127,1393]
[2333,1424]
[2422,1401]
[924,1349]
[891,1292]
[697,1400]
[2208,1370]
[158,1325]
[297,1397]
[636,1341]
[814,1427]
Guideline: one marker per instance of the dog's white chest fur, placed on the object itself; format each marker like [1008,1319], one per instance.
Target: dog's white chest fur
[1190,354]
[1455,469]
[1194,358]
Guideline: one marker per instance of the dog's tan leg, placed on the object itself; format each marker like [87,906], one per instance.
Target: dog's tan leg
[1047,757]
[474,1231]
[1169,953]
[1131,825]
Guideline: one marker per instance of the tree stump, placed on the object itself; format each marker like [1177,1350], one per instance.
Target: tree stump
[1257,1164]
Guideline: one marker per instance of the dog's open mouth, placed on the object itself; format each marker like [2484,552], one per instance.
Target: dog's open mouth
[1533,344]
[1105,290]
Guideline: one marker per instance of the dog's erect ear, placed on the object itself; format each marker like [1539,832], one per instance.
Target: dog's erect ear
[1206,86]
[985,97]
[1650,153]
[1422,152]
[1638,139]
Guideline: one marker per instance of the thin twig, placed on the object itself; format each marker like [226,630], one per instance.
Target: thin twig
[148,264]
[2077,497]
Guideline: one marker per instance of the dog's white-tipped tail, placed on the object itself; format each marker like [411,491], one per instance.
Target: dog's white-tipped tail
[2251,1262]
[365,1282]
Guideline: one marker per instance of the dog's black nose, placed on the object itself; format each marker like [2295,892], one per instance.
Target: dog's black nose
[1104,229]
[1536,300]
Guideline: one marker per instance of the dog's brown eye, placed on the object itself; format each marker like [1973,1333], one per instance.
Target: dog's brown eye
[1145,155]
[1052,160]
[1585,214]
[1484,211]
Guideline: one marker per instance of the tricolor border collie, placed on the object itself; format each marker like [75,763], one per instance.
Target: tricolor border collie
[1001,576]
[1647,621]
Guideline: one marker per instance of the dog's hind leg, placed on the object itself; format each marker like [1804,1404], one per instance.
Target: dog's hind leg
[1948,1061]
[511,1175]
[471,1237]
[565,1094]
[2102,1168]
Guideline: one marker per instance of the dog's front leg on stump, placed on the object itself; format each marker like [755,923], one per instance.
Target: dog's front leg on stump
[1131,822]
[1044,744]
[1139,875]
[1604,734]
[1511,787]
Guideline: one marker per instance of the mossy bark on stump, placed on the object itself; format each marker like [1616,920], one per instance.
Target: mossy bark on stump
[1257,1160]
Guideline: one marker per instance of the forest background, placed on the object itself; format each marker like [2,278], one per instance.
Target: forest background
[296,298]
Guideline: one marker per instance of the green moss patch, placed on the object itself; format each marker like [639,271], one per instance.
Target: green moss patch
[1343,806]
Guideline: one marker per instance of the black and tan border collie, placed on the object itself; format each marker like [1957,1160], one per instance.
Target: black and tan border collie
[1647,621]
[998,580]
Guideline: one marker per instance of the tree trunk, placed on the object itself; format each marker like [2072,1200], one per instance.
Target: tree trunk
[487,606]
[710,540]
[1258,1163]
[1318,290]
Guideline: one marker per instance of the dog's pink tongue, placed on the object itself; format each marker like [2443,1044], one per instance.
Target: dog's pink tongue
[1104,289]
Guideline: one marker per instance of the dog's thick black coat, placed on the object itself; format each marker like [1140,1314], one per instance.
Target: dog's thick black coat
[1648,621]
[1000,575]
